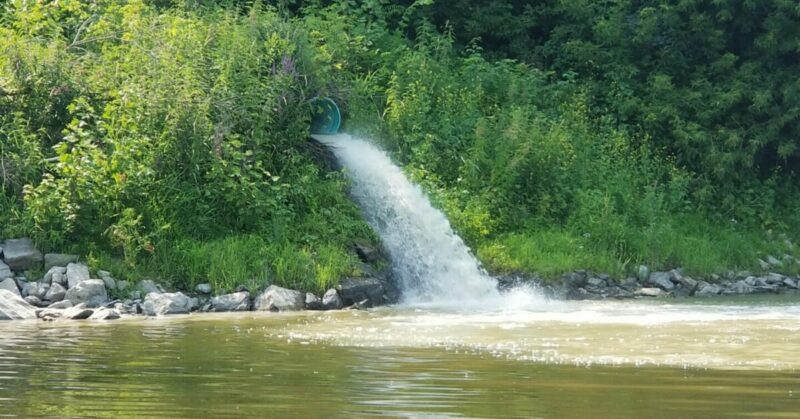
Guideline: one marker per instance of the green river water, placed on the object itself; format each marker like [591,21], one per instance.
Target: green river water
[736,358]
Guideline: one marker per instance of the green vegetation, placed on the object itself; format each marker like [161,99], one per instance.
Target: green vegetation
[169,138]
[174,140]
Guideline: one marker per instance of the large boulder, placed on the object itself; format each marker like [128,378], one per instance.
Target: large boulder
[573,280]
[331,300]
[238,301]
[147,286]
[704,289]
[104,313]
[109,280]
[78,312]
[37,289]
[366,252]
[739,287]
[313,302]
[55,293]
[356,290]
[60,304]
[13,307]
[9,284]
[661,280]
[203,288]
[91,292]
[160,304]
[76,273]
[21,254]
[58,259]
[650,292]
[5,271]
[33,300]
[56,275]
[275,298]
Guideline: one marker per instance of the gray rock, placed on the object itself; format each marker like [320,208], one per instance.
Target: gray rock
[238,301]
[688,282]
[13,307]
[739,287]
[576,279]
[763,264]
[630,284]
[91,292]
[619,293]
[366,252]
[33,300]
[9,284]
[650,292]
[55,293]
[354,290]
[661,280]
[203,288]
[331,300]
[704,289]
[21,254]
[58,259]
[775,278]
[147,286]
[676,275]
[159,304]
[109,282]
[78,312]
[596,282]
[5,271]
[773,261]
[313,302]
[49,314]
[643,272]
[104,313]
[76,273]
[579,294]
[127,307]
[789,282]
[36,289]
[275,298]
[56,275]
[123,285]
[60,305]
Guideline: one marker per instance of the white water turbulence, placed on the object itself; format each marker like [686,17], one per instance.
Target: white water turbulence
[432,264]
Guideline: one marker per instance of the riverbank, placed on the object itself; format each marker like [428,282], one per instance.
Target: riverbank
[70,290]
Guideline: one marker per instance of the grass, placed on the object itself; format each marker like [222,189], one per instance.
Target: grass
[689,242]
[242,260]
[547,252]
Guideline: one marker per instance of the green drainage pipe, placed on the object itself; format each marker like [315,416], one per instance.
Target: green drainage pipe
[325,116]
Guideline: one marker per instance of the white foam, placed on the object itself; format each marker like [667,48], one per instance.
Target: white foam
[433,266]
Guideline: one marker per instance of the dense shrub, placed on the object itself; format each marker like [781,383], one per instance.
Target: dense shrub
[170,137]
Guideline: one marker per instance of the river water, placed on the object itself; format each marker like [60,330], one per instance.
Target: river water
[721,358]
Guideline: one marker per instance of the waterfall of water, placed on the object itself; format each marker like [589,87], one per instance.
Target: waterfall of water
[430,261]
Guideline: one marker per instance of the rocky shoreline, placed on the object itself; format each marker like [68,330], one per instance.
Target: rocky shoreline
[68,290]
[584,285]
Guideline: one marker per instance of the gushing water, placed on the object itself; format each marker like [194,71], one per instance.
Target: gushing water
[430,261]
